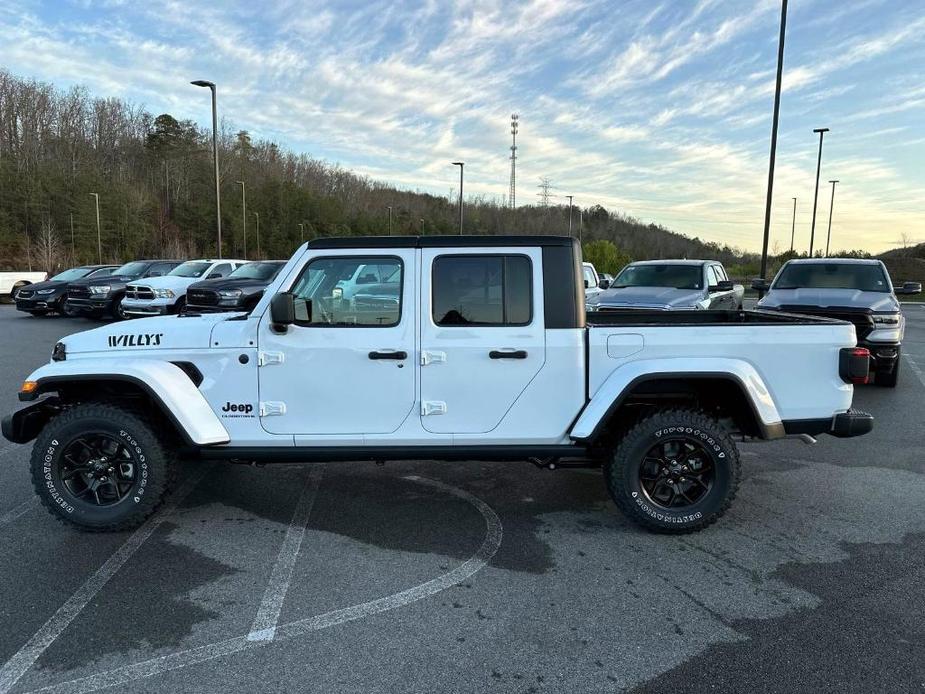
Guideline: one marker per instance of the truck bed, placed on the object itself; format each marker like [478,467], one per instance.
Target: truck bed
[623,317]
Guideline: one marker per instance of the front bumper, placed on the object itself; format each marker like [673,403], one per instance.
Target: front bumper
[148,307]
[37,303]
[93,306]
[883,355]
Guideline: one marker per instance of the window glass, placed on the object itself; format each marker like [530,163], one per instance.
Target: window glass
[222,270]
[721,272]
[339,298]
[866,277]
[74,273]
[257,271]
[712,276]
[191,268]
[102,272]
[661,275]
[482,290]
[133,269]
[590,282]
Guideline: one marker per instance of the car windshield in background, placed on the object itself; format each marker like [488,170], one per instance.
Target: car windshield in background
[133,269]
[863,277]
[256,271]
[74,273]
[676,276]
[190,269]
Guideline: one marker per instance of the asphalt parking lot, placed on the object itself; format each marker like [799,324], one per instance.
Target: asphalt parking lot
[469,577]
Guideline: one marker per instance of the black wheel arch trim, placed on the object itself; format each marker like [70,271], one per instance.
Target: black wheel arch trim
[775,430]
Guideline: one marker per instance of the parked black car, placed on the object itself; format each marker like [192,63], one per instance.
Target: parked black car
[99,297]
[50,296]
[240,291]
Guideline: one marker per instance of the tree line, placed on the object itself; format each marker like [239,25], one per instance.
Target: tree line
[154,179]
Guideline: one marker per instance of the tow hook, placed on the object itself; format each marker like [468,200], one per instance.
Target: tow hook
[807,439]
[544,463]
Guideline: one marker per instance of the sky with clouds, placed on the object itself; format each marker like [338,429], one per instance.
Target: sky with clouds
[658,110]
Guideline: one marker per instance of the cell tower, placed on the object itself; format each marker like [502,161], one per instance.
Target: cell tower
[544,195]
[513,192]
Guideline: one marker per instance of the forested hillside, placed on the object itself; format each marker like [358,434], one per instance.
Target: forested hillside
[153,175]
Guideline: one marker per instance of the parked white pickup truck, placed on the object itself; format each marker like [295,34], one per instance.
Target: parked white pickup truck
[11,281]
[482,352]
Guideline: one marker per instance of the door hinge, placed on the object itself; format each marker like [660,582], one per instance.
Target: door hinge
[432,358]
[432,407]
[268,358]
[268,409]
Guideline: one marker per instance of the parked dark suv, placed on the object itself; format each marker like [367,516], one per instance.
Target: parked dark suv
[51,296]
[97,298]
[240,291]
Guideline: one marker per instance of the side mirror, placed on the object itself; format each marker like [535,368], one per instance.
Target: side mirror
[723,286]
[604,284]
[911,288]
[282,311]
[587,284]
[761,285]
[214,276]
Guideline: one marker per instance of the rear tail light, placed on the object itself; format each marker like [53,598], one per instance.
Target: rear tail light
[854,365]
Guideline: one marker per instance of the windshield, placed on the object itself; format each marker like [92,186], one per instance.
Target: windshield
[862,276]
[257,271]
[134,269]
[75,273]
[676,276]
[193,268]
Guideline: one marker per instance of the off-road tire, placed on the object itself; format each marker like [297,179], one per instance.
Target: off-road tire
[622,472]
[155,468]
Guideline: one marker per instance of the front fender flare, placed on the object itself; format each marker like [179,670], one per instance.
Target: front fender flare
[620,383]
[164,382]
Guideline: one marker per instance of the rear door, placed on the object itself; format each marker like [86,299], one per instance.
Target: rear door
[482,335]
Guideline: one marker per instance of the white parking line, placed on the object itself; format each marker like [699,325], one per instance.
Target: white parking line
[26,656]
[192,656]
[17,511]
[264,626]
[915,368]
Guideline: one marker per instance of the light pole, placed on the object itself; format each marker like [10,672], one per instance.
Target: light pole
[581,219]
[812,230]
[461,165]
[218,195]
[257,215]
[389,208]
[243,215]
[831,206]
[774,122]
[422,226]
[302,230]
[99,243]
[569,215]
[793,225]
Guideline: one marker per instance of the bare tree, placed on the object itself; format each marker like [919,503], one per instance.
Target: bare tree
[47,247]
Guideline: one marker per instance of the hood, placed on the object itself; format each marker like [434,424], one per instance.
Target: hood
[830,298]
[165,282]
[231,283]
[659,297]
[108,279]
[146,334]
[48,284]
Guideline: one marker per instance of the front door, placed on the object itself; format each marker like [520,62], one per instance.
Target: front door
[347,365]
[482,336]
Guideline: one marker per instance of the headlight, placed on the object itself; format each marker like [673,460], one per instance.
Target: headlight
[230,293]
[100,289]
[591,307]
[46,291]
[164,294]
[887,319]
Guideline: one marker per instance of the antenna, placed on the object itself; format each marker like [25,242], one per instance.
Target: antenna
[512,194]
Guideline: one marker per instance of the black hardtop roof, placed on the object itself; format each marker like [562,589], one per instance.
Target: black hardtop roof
[443,241]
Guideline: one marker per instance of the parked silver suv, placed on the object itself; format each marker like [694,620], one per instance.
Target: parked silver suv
[857,291]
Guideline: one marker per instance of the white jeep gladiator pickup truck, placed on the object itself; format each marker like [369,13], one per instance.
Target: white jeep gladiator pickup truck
[479,348]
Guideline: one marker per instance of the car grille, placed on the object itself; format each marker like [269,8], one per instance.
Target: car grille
[24,293]
[78,292]
[136,291]
[862,319]
[201,297]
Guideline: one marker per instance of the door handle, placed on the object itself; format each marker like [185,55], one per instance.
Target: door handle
[388,355]
[510,354]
